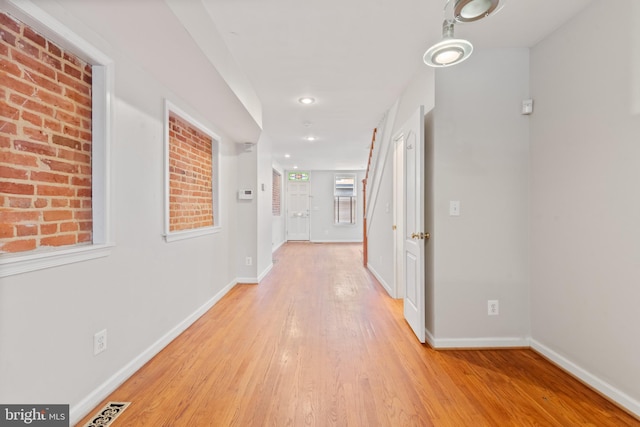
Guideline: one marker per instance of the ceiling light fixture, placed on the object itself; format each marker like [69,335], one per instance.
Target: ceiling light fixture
[306,100]
[286,156]
[473,10]
[310,138]
[449,51]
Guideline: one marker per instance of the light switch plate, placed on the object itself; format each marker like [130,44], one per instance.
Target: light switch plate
[454,208]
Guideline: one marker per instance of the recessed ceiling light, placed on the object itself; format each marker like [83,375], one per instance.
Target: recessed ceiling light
[295,167]
[306,100]
[310,138]
[286,156]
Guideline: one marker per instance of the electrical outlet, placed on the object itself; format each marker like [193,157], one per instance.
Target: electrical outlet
[493,307]
[248,260]
[99,342]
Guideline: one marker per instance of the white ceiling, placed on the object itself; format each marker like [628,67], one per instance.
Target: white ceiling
[354,57]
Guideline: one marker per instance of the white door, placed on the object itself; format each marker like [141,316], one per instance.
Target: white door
[415,236]
[297,210]
[398,215]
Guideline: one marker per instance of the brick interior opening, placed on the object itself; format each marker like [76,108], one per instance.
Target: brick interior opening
[45,142]
[190,176]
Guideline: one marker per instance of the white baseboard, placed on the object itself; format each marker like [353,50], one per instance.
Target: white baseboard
[431,340]
[336,241]
[601,386]
[384,284]
[265,272]
[276,247]
[250,280]
[81,409]
[476,343]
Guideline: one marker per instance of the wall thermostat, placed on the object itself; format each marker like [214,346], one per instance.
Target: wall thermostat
[246,194]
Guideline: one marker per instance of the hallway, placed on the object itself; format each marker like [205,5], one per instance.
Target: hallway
[320,343]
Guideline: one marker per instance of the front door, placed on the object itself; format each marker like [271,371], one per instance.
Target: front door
[297,210]
[415,235]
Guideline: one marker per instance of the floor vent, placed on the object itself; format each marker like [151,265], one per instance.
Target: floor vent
[107,414]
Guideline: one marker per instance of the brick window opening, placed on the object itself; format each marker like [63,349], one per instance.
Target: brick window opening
[192,175]
[276,193]
[45,142]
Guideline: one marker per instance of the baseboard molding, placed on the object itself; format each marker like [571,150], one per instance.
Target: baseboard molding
[336,241]
[607,390]
[431,340]
[476,343]
[384,284]
[276,247]
[265,272]
[81,409]
[247,280]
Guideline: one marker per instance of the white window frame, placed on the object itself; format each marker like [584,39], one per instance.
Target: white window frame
[102,96]
[354,194]
[172,236]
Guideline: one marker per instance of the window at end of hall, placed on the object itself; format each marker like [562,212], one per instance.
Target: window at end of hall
[344,199]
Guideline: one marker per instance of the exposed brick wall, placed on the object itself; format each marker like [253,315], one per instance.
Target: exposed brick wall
[45,142]
[276,194]
[190,176]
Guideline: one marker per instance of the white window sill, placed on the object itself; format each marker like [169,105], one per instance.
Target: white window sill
[190,234]
[12,264]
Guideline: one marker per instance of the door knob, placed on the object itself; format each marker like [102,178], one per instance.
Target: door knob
[421,236]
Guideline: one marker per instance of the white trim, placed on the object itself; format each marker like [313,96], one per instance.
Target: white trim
[431,340]
[380,279]
[11,264]
[333,241]
[478,343]
[598,384]
[190,234]
[102,113]
[216,141]
[265,272]
[81,409]
[247,280]
[275,248]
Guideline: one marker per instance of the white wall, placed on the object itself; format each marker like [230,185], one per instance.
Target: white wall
[146,288]
[419,91]
[585,200]
[322,227]
[264,212]
[481,155]
[278,226]
[246,214]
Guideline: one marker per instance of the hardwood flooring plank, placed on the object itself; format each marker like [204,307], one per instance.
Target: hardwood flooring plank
[319,343]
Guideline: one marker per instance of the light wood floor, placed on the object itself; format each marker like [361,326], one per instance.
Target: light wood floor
[319,343]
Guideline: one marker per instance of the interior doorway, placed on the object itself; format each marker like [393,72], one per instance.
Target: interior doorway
[298,211]
[398,216]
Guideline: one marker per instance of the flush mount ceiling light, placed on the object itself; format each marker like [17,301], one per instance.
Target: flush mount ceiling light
[306,100]
[473,10]
[310,138]
[449,51]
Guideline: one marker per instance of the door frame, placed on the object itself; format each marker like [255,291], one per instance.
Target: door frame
[307,214]
[398,214]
